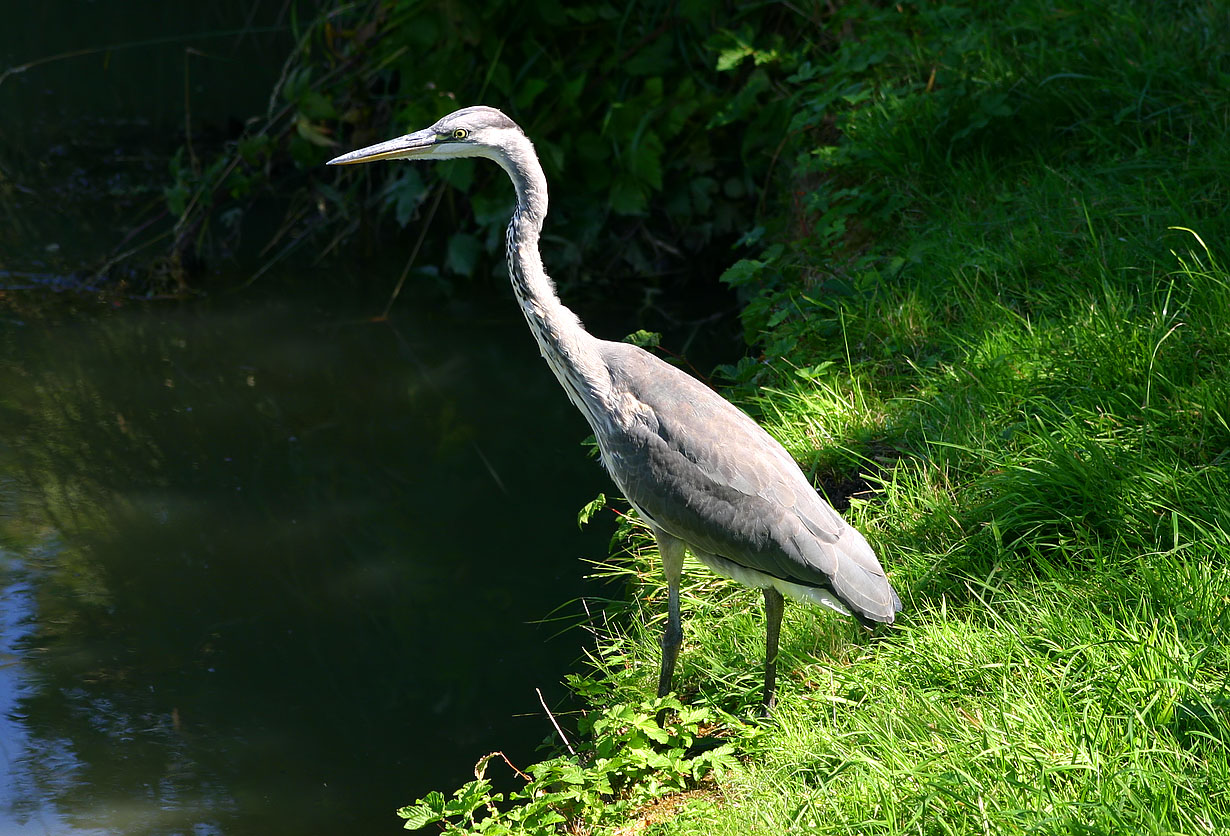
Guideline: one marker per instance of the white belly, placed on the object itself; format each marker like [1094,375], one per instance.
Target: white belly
[758,580]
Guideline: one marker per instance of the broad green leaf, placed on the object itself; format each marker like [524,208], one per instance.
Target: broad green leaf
[529,91]
[428,809]
[406,193]
[628,196]
[457,173]
[587,513]
[742,272]
[645,160]
[463,252]
[316,105]
[654,59]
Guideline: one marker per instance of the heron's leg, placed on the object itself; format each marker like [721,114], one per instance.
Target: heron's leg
[773,606]
[671,549]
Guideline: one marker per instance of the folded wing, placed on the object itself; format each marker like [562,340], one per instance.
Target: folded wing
[703,471]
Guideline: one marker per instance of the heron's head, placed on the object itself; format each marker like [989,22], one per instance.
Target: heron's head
[469,132]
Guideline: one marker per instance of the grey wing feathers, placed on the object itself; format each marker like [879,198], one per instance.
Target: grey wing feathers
[708,474]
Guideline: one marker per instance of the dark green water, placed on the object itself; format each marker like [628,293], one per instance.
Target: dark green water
[269,567]
[266,566]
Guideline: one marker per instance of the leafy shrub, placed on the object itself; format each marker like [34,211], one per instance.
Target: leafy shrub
[627,761]
[659,123]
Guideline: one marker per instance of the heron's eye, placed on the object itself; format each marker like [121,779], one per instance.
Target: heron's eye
[460,133]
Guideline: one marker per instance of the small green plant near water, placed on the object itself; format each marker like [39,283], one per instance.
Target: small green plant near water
[626,761]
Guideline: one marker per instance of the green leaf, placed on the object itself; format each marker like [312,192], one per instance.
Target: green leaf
[177,198]
[656,734]
[405,192]
[730,58]
[418,816]
[779,316]
[463,252]
[645,160]
[628,196]
[644,339]
[491,210]
[573,88]
[316,105]
[529,91]
[469,798]
[458,173]
[591,147]
[817,371]
[254,149]
[428,809]
[654,59]
[744,271]
[591,508]
[548,819]
[297,83]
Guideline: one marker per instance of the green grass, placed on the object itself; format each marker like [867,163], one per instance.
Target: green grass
[1053,505]
[984,334]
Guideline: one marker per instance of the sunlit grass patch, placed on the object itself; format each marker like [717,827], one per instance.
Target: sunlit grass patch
[1047,706]
[1042,389]
[1000,346]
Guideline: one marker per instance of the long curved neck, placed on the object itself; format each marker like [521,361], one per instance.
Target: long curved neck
[568,348]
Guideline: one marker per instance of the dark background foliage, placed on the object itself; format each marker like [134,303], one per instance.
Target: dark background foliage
[660,126]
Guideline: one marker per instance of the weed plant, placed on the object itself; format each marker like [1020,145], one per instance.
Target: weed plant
[994,329]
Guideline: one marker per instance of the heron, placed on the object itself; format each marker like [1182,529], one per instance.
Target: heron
[702,474]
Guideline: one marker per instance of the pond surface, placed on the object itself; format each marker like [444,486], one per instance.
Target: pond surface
[267,566]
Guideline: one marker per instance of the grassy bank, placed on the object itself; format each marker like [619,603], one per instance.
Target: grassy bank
[994,312]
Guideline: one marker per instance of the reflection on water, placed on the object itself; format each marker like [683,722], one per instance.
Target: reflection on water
[271,568]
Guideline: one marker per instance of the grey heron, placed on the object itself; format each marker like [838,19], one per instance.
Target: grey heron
[703,475]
